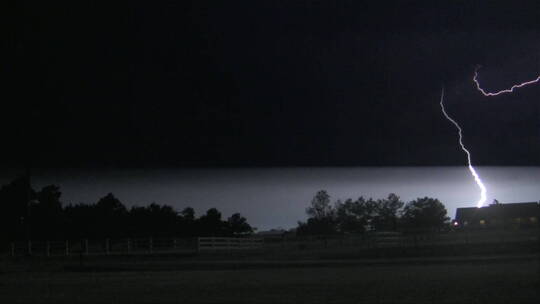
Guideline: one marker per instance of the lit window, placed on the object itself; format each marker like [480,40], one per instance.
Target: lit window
[534,219]
[482,222]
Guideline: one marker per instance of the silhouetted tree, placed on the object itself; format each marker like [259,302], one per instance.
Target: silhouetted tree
[425,213]
[211,224]
[111,216]
[387,213]
[238,224]
[321,216]
[164,219]
[188,214]
[320,206]
[47,214]
[81,221]
[153,220]
[15,197]
[188,223]
[109,205]
[355,216]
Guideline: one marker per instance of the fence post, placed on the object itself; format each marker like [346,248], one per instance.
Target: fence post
[86,246]
[106,246]
[151,245]
[128,245]
[174,244]
[48,246]
[29,247]
[67,247]
[12,249]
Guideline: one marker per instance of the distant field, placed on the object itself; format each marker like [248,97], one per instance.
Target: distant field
[477,282]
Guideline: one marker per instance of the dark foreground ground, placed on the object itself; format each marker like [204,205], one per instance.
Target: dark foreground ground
[475,280]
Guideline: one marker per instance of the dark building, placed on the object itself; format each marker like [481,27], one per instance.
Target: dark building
[516,215]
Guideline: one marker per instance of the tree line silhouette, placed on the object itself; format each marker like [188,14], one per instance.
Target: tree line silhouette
[40,215]
[361,215]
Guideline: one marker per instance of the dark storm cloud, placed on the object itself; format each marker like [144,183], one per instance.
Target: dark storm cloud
[268,83]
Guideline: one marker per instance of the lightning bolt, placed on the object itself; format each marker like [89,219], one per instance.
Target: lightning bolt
[511,90]
[477,179]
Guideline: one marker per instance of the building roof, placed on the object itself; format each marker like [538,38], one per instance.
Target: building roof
[513,210]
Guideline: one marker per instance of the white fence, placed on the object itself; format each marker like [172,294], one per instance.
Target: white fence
[132,246]
[228,243]
[462,240]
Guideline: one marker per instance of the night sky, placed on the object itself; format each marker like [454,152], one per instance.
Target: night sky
[267,83]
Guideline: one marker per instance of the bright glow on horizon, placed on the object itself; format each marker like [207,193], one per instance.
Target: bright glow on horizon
[477,179]
[511,90]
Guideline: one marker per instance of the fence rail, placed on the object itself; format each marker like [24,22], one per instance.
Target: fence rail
[228,243]
[271,245]
[102,247]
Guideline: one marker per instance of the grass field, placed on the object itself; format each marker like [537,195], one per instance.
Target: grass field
[475,282]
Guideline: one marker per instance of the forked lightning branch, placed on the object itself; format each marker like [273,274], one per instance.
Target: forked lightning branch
[477,179]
